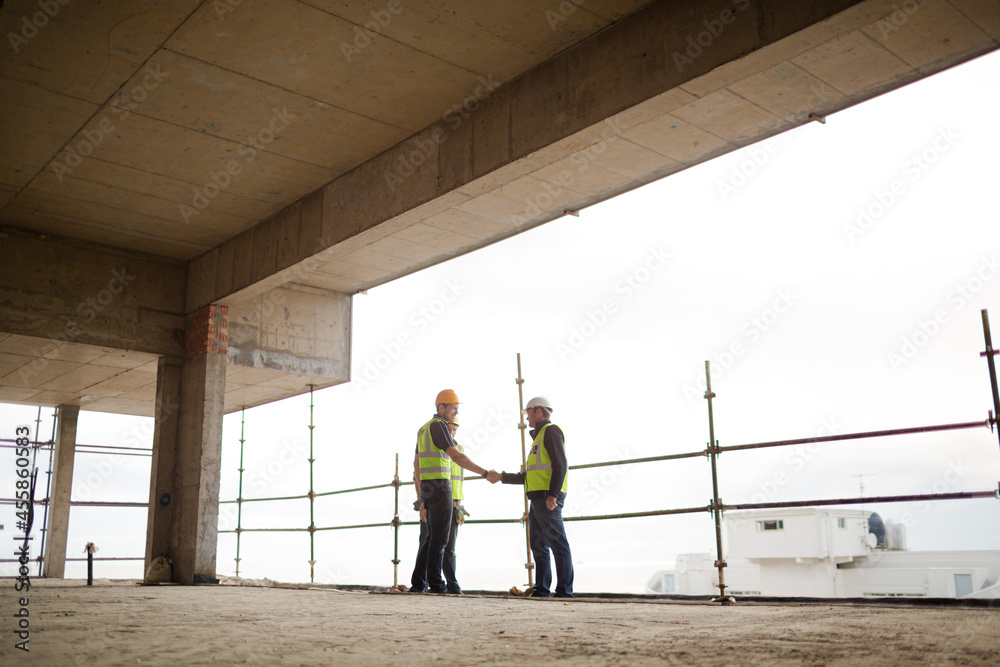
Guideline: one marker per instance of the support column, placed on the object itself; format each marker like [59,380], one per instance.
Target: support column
[62,491]
[161,540]
[187,449]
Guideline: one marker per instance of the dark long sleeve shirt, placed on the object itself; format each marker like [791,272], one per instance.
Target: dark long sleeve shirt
[554,444]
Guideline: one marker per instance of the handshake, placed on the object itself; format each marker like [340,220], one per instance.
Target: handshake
[493,476]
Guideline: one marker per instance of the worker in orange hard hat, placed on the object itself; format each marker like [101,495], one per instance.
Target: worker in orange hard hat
[432,472]
[450,564]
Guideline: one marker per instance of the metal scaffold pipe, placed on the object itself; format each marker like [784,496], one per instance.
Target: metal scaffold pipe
[856,436]
[528,565]
[911,498]
[713,451]
[989,354]
[395,527]
[48,489]
[239,492]
[312,494]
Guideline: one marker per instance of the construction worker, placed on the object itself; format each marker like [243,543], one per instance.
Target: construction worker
[544,482]
[432,475]
[418,580]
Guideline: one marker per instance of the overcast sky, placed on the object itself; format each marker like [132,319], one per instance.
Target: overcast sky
[833,276]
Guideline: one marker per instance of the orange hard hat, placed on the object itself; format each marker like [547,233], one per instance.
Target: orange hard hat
[447,396]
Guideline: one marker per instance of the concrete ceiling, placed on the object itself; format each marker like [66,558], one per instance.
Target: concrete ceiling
[117,115]
[195,130]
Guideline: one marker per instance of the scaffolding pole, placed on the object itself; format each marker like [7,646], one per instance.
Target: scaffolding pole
[528,565]
[713,452]
[239,492]
[395,527]
[989,354]
[911,498]
[48,490]
[312,494]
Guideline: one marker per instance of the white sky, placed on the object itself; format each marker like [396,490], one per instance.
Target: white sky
[764,251]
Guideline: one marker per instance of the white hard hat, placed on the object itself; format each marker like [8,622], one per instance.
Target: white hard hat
[539,402]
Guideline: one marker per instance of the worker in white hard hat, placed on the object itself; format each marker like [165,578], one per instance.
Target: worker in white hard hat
[432,476]
[544,480]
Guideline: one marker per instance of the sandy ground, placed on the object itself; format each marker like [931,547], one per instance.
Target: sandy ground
[126,624]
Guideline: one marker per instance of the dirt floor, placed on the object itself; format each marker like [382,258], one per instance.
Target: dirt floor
[115,623]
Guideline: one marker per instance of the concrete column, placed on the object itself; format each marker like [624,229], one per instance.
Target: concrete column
[161,539]
[187,449]
[54,565]
[198,468]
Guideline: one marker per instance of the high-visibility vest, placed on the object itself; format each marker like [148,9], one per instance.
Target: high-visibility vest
[539,470]
[457,477]
[434,464]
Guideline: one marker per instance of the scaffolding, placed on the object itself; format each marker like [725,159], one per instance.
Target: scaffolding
[79,448]
[715,507]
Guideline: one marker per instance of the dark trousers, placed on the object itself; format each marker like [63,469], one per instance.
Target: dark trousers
[436,496]
[419,579]
[548,534]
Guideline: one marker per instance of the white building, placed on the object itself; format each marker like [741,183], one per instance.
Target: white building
[828,553]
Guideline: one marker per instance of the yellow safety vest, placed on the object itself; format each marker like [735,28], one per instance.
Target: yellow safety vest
[434,464]
[539,470]
[457,477]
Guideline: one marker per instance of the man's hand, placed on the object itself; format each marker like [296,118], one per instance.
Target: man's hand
[493,476]
[550,502]
[423,514]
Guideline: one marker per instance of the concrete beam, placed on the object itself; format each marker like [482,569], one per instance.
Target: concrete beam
[69,291]
[62,491]
[644,55]
[293,329]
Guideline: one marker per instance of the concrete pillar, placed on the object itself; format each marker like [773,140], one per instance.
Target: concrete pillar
[54,565]
[160,537]
[198,468]
[187,449]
